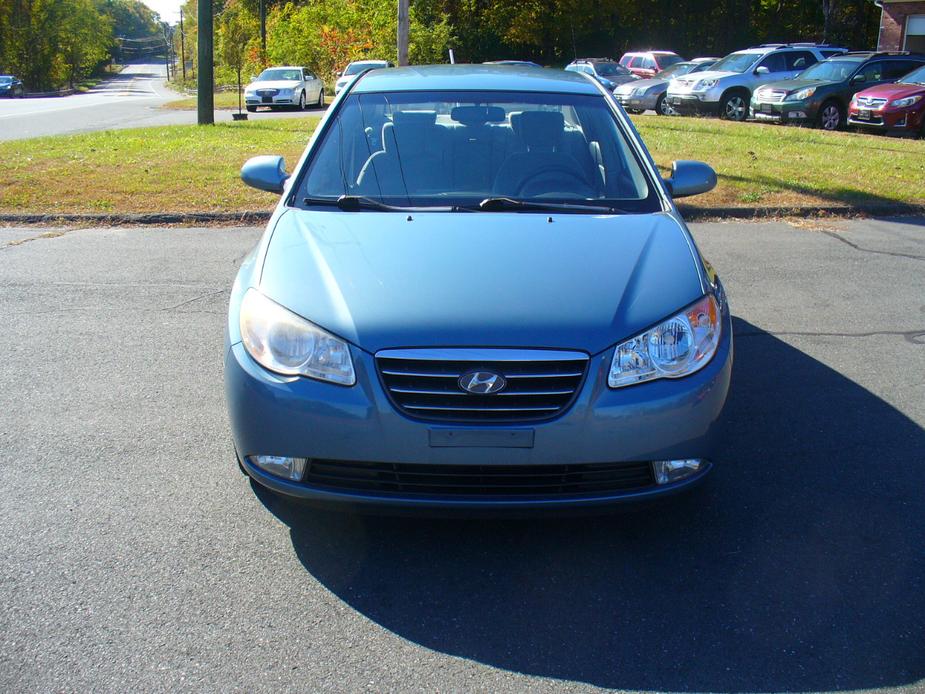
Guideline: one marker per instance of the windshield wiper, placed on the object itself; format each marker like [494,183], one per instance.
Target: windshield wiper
[356,203]
[510,204]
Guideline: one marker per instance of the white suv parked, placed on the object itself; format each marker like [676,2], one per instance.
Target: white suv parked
[725,89]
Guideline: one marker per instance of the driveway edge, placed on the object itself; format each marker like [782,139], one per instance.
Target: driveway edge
[251,217]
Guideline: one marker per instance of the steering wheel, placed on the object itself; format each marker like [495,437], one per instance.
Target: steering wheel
[555,178]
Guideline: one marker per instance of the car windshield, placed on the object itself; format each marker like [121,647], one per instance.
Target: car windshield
[456,149]
[280,74]
[830,70]
[917,76]
[354,68]
[676,70]
[736,62]
[609,69]
[6,80]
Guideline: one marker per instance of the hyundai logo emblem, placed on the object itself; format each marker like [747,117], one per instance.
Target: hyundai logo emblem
[482,382]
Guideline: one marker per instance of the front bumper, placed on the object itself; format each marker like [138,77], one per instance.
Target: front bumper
[692,104]
[643,102]
[298,417]
[893,121]
[784,112]
[273,100]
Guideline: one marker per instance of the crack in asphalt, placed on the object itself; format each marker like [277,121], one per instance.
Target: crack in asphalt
[852,244]
[194,299]
[916,337]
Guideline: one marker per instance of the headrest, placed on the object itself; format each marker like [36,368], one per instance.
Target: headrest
[540,128]
[414,119]
[477,115]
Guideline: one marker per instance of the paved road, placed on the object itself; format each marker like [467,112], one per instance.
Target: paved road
[135,557]
[131,99]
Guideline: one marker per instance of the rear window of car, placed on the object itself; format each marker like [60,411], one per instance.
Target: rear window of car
[458,148]
[666,60]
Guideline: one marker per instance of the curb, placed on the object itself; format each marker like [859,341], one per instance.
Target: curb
[259,217]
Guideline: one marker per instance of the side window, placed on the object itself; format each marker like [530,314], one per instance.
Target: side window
[308,75]
[636,62]
[799,60]
[774,63]
[625,60]
[872,72]
[648,63]
[894,69]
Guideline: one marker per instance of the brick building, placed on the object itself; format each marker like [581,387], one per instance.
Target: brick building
[902,25]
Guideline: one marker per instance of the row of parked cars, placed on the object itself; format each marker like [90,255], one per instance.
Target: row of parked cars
[809,84]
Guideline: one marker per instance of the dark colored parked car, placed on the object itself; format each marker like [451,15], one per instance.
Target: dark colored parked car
[11,87]
[895,108]
[820,94]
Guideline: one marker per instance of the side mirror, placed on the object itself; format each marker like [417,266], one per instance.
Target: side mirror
[690,178]
[857,78]
[265,173]
[762,70]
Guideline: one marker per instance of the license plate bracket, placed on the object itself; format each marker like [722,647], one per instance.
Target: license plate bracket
[864,114]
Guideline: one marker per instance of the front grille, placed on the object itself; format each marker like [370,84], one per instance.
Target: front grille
[425,383]
[870,102]
[521,481]
[772,96]
[267,92]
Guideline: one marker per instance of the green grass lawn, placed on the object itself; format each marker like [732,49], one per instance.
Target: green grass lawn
[224,101]
[195,169]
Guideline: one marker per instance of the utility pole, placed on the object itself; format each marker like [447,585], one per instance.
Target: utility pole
[182,46]
[205,99]
[403,22]
[166,51]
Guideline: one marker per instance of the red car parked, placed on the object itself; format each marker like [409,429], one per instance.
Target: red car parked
[648,64]
[895,108]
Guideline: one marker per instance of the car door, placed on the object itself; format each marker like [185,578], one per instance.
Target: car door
[308,82]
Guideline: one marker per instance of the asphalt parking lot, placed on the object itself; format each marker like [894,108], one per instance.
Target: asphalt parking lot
[135,555]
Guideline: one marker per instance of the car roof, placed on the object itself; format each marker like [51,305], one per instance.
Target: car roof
[371,61]
[285,67]
[464,77]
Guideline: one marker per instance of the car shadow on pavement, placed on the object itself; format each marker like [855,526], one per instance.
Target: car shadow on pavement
[798,566]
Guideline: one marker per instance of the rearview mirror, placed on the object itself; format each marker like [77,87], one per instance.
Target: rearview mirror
[762,70]
[265,173]
[690,178]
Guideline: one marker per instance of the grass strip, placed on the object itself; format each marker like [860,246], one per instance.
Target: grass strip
[181,169]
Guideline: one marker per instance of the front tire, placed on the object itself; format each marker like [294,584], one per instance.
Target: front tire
[320,103]
[301,106]
[662,107]
[734,107]
[830,116]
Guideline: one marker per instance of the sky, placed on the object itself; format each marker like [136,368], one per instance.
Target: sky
[169,10]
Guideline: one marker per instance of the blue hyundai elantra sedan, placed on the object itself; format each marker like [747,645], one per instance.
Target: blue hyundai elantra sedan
[476,292]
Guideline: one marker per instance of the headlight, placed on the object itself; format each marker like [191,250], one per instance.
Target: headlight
[285,92]
[802,94]
[704,84]
[283,342]
[676,347]
[908,101]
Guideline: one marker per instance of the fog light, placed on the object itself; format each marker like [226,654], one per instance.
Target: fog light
[798,114]
[289,468]
[667,471]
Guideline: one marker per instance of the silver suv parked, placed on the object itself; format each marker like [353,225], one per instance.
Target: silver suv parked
[727,87]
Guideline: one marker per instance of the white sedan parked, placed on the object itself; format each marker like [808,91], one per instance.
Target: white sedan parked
[290,87]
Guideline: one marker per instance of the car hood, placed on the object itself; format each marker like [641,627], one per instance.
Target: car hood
[481,279]
[646,83]
[795,85]
[274,84]
[899,90]
[708,75]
